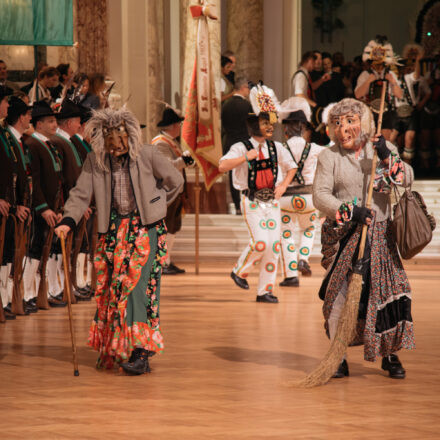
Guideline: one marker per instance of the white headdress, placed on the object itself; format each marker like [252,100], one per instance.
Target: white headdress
[263,100]
[293,104]
[380,50]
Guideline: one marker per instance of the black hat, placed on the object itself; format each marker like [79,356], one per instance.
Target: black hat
[4,91]
[296,116]
[86,113]
[41,109]
[17,107]
[69,110]
[169,117]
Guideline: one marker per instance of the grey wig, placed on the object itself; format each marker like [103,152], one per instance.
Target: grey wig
[112,118]
[352,106]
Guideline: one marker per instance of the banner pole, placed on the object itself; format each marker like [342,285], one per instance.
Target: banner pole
[197,189]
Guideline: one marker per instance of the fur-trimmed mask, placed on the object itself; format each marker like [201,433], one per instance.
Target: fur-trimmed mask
[115,132]
[351,124]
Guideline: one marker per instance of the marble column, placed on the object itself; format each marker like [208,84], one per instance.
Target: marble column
[154,68]
[92,36]
[245,31]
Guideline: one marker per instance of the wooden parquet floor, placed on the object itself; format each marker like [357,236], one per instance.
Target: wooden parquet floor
[223,373]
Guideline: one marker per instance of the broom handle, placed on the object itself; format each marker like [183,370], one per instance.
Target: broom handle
[69,303]
[373,171]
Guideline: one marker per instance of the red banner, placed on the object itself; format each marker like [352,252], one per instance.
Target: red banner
[201,127]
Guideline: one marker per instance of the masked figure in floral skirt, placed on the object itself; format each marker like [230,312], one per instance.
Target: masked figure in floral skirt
[132,184]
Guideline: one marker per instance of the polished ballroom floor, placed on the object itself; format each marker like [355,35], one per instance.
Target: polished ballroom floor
[223,373]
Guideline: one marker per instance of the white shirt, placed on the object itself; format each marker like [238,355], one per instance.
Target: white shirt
[240,173]
[379,75]
[300,83]
[64,134]
[15,132]
[222,85]
[296,145]
[40,136]
[410,81]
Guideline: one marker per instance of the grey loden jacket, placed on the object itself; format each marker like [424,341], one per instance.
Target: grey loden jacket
[340,177]
[156,183]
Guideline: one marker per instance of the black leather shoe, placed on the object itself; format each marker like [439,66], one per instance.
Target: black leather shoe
[168,270]
[53,302]
[59,297]
[304,268]
[81,297]
[394,367]
[9,316]
[176,268]
[138,362]
[30,306]
[33,301]
[241,282]
[267,298]
[342,370]
[290,282]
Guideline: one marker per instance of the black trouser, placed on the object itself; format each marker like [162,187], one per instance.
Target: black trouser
[9,243]
[235,193]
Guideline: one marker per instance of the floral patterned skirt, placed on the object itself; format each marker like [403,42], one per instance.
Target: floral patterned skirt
[385,321]
[128,262]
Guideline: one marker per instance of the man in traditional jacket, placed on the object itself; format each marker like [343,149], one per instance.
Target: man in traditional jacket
[69,123]
[340,191]
[132,185]
[167,143]
[17,122]
[47,195]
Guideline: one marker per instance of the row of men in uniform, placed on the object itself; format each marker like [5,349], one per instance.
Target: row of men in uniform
[39,169]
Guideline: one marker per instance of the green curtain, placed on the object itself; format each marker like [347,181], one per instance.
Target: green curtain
[36,22]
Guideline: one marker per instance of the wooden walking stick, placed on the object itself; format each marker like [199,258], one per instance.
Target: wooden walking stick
[348,320]
[69,303]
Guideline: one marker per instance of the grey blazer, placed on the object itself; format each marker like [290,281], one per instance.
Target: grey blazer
[340,177]
[156,183]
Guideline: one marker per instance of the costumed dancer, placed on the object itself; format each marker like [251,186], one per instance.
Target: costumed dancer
[340,190]
[167,144]
[262,170]
[296,203]
[132,185]
[379,53]
[406,121]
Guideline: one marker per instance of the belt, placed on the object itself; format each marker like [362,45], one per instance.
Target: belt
[262,195]
[298,189]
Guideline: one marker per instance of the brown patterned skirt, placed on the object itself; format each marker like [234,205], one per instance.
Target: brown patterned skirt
[385,322]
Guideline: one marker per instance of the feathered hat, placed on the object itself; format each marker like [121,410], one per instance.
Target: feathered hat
[263,100]
[380,50]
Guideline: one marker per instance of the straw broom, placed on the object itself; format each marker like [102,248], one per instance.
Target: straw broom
[346,329]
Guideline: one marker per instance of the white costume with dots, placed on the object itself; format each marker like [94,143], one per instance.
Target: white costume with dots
[262,218]
[298,209]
